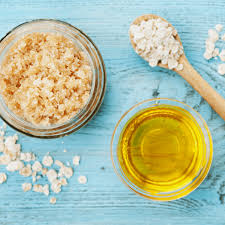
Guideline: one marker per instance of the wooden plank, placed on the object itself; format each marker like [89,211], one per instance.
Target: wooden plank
[105,200]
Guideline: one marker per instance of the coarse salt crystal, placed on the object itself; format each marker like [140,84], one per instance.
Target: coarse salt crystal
[15,165]
[66,171]
[56,186]
[219,27]
[82,179]
[76,160]
[52,200]
[27,156]
[156,42]
[222,55]
[37,166]
[26,187]
[26,171]
[221,69]
[3,178]
[47,160]
[51,175]
[213,35]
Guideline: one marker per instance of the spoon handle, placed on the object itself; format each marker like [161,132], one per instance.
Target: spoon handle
[215,100]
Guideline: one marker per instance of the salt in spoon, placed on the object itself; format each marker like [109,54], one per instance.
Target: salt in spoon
[215,100]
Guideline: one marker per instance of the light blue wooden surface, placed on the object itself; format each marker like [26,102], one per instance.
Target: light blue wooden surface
[105,200]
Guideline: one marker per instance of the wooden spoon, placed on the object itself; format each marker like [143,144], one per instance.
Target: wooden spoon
[215,100]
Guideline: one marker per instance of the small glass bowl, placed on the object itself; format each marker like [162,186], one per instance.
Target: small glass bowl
[164,196]
[83,42]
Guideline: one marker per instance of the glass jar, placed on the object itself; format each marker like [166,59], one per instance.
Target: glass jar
[200,174]
[83,42]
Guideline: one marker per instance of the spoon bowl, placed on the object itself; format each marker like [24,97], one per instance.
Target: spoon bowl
[215,100]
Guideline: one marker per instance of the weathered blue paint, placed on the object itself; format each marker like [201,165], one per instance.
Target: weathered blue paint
[104,200]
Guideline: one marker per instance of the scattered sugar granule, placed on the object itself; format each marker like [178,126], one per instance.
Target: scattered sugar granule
[51,175]
[76,160]
[3,178]
[47,160]
[37,188]
[26,187]
[37,166]
[15,165]
[27,156]
[221,69]
[44,171]
[59,163]
[64,150]
[155,40]
[219,27]
[45,79]
[45,189]
[52,200]
[66,171]
[82,179]
[26,171]
[63,181]
[56,186]
[222,55]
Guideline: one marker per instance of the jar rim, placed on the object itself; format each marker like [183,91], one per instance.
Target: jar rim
[166,196]
[61,129]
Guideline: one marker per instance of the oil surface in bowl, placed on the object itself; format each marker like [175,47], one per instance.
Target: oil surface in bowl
[161,149]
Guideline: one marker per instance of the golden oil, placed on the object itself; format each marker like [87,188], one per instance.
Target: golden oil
[161,149]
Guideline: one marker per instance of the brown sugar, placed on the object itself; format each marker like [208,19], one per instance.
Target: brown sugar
[45,78]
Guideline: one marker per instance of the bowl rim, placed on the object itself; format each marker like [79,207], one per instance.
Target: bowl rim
[101,97]
[154,198]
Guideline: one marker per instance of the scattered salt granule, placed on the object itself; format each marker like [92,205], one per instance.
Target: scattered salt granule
[52,200]
[27,156]
[82,179]
[63,181]
[37,188]
[5,159]
[14,159]
[223,37]
[45,79]
[51,175]
[221,69]
[76,160]
[59,163]
[219,27]
[26,187]
[155,40]
[45,189]
[47,160]
[56,186]
[3,178]
[215,52]
[66,171]
[26,171]
[222,55]
[44,171]
[37,166]
[34,173]
[15,165]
